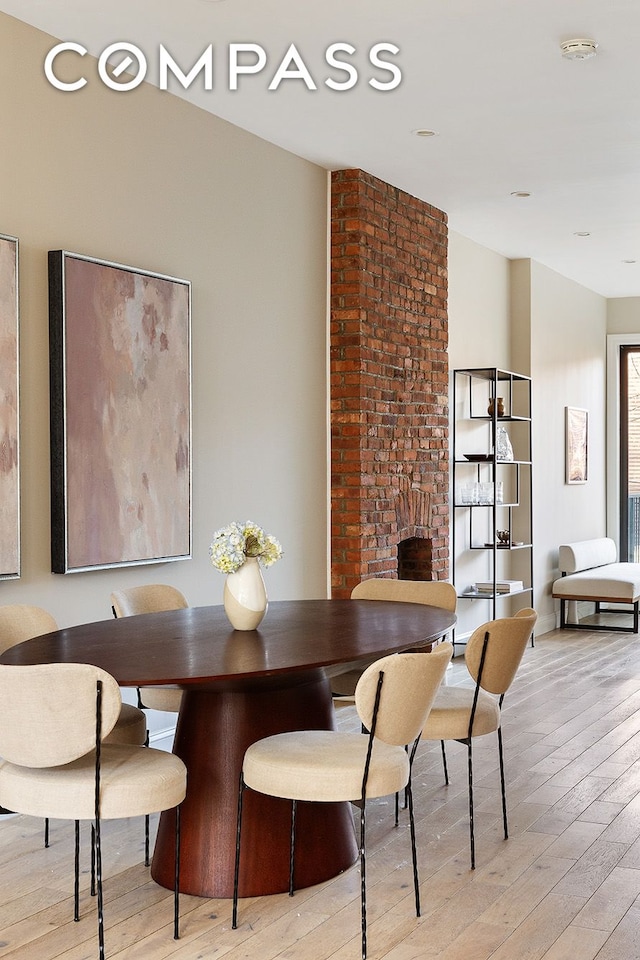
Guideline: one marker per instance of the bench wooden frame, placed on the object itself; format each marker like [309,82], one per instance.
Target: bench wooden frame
[591,572]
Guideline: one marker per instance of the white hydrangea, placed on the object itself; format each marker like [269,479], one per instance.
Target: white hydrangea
[231,545]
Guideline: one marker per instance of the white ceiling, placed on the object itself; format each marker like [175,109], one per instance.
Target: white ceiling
[510,113]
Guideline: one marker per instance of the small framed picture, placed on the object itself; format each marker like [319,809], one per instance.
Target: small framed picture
[576,444]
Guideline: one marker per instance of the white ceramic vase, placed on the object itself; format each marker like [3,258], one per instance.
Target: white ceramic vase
[245,596]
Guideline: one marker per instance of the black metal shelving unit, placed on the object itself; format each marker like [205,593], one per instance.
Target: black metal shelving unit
[494,491]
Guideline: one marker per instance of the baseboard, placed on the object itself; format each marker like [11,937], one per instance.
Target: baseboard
[547,624]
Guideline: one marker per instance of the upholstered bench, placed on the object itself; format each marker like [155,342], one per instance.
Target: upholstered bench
[590,571]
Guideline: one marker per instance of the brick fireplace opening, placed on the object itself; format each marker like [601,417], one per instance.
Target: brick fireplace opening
[389,384]
[415,559]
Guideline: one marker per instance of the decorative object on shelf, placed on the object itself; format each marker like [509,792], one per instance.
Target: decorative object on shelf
[500,586]
[576,444]
[504,450]
[477,457]
[499,402]
[503,536]
[486,492]
[469,493]
[238,550]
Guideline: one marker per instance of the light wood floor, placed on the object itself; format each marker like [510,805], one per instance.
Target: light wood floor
[565,886]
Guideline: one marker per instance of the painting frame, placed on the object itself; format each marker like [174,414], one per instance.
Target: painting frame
[576,445]
[10,507]
[120,415]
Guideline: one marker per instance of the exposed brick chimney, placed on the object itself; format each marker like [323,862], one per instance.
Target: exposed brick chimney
[389,383]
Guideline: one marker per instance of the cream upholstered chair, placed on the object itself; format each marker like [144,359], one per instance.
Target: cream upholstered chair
[151,598]
[20,622]
[492,656]
[54,720]
[393,699]
[433,593]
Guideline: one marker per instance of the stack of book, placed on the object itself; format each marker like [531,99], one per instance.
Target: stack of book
[501,586]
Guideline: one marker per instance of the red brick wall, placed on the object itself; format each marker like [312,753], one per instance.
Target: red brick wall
[389,379]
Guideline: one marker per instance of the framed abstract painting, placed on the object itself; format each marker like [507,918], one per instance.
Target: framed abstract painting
[120,381]
[9,411]
[576,444]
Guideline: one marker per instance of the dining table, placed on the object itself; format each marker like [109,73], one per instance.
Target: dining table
[238,687]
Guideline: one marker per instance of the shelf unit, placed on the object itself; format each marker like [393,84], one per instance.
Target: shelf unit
[492,484]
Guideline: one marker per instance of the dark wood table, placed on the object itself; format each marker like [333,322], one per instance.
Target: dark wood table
[239,687]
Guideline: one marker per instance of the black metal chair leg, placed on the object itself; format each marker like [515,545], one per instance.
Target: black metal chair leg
[444,763]
[236,873]
[397,814]
[100,896]
[93,861]
[292,844]
[363,880]
[46,831]
[176,885]
[76,873]
[471,824]
[502,786]
[414,852]
[146,841]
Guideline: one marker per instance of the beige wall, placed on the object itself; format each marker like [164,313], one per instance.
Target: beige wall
[568,367]
[479,325]
[147,180]
[623,315]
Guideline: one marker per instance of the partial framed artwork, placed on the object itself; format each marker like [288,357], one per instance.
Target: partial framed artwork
[9,411]
[576,444]
[120,382]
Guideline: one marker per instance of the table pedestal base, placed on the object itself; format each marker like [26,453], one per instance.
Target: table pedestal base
[215,727]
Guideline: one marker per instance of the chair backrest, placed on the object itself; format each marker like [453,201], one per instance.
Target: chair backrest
[508,639]
[148,598]
[433,593]
[20,622]
[48,712]
[409,687]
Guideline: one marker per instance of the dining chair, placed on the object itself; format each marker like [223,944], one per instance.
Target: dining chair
[151,598]
[55,719]
[19,622]
[492,655]
[432,593]
[393,698]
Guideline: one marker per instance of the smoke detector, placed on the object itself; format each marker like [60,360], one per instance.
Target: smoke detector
[578,49]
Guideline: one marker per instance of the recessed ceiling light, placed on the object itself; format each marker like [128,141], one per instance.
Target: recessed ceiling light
[581,49]
[629,261]
[425,133]
[520,193]
[581,233]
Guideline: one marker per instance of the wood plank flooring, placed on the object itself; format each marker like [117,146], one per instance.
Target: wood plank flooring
[565,886]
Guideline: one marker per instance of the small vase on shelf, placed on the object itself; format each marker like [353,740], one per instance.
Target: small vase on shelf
[498,404]
[245,596]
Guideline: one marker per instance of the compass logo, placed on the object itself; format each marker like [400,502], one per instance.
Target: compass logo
[123,66]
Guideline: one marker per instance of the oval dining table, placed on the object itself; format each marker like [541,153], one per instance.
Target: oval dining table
[237,688]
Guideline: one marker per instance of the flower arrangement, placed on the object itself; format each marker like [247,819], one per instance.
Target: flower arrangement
[231,545]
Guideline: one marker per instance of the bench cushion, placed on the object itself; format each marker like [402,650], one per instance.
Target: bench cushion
[586,554]
[615,582]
